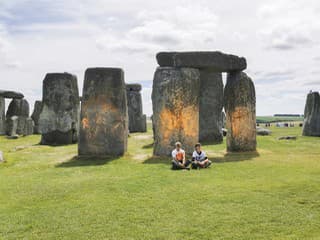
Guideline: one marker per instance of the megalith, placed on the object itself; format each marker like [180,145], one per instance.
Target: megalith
[28,127]
[240,107]
[104,113]
[211,105]
[36,115]
[311,125]
[175,101]
[2,116]
[12,125]
[137,120]
[11,94]
[59,117]
[212,60]
[19,108]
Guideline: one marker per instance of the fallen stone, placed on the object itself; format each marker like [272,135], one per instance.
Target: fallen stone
[137,121]
[11,94]
[104,113]
[240,107]
[175,100]
[1,157]
[287,138]
[36,115]
[311,124]
[216,61]
[13,137]
[2,116]
[59,117]
[263,131]
[210,108]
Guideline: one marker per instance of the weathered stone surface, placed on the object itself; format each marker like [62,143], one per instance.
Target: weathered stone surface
[59,117]
[137,121]
[2,116]
[19,108]
[28,127]
[240,107]
[11,94]
[216,61]
[1,157]
[223,116]
[287,138]
[211,105]
[311,125]
[175,101]
[36,115]
[104,113]
[263,131]
[12,125]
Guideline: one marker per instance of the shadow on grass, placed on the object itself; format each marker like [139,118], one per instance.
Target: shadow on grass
[157,160]
[80,161]
[148,146]
[236,157]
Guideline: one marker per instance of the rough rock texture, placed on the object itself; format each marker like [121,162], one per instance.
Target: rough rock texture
[28,127]
[2,116]
[36,115]
[137,121]
[216,61]
[175,101]
[223,116]
[311,126]
[240,107]
[12,125]
[59,117]
[263,131]
[19,108]
[104,113]
[210,108]
[1,157]
[11,94]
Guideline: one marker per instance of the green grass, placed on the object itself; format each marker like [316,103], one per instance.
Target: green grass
[47,193]
[271,119]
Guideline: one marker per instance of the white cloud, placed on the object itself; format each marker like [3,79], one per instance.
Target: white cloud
[180,27]
[289,24]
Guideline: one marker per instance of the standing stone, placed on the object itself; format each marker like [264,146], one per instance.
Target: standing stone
[137,121]
[240,107]
[59,117]
[28,128]
[311,126]
[12,125]
[211,105]
[175,101]
[36,115]
[2,116]
[19,108]
[104,113]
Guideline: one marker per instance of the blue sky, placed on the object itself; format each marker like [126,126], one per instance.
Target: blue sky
[280,40]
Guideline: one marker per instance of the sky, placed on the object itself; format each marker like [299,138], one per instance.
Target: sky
[279,38]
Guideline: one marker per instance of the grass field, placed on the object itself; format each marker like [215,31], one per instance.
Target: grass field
[271,119]
[47,193]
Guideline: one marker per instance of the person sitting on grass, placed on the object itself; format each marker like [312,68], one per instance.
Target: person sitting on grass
[199,158]
[179,158]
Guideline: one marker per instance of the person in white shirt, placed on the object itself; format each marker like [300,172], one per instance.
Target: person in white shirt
[199,158]
[179,158]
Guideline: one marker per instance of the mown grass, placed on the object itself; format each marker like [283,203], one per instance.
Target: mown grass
[48,193]
[270,119]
